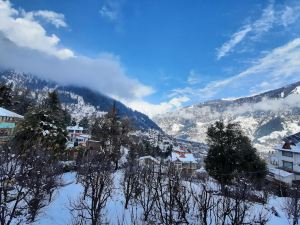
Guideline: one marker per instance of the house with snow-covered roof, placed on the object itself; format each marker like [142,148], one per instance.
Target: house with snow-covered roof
[78,135]
[8,122]
[287,156]
[184,162]
[288,153]
[148,160]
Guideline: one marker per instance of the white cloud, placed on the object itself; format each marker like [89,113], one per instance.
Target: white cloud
[27,32]
[177,102]
[289,15]
[281,16]
[193,78]
[265,22]
[111,10]
[278,67]
[234,40]
[109,13]
[155,109]
[26,47]
[57,19]
[104,73]
[273,105]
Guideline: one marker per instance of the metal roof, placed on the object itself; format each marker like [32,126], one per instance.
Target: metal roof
[295,138]
[7,113]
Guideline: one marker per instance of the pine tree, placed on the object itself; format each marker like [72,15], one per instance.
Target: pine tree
[231,154]
[22,101]
[43,125]
[53,102]
[132,154]
[73,123]
[169,151]
[5,96]
[66,117]
[112,132]
[84,123]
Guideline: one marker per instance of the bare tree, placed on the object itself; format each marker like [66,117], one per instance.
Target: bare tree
[130,182]
[172,201]
[45,177]
[222,209]
[26,185]
[12,188]
[236,206]
[292,205]
[262,218]
[95,175]
[145,193]
[204,201]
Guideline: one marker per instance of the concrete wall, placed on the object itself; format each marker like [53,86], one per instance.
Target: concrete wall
[295,160]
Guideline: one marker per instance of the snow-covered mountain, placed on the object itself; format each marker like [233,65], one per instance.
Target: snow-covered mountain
[265,118]
[79,101]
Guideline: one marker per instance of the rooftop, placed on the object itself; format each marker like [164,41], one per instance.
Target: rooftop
[293,148]
[295,138]
[280,172]
[75,128]
[291,143]
[7,113]
[183,157]
[148,157]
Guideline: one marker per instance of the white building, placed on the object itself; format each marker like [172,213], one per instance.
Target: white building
[184,161]
[8,122]
[288,156]
[78,134]
[281,175]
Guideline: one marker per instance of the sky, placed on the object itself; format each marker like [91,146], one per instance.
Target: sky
[155,56]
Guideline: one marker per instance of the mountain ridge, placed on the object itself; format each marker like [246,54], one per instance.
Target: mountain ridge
[80,101]
[265,118]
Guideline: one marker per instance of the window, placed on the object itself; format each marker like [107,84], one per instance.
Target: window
[287,153]
[287,165]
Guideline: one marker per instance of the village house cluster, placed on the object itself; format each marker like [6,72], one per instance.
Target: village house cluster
[186,157]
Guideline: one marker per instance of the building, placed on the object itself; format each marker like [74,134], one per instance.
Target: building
[184,162]
[281,175]
[8,122]
[288,153]
[287,158]
[148,160]
[77,135]
[74,131]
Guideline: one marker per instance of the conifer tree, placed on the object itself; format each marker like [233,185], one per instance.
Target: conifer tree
[22,101]
[112,132]
[231,154]
[73,123]
[84,123]
[5,95]
[43,125]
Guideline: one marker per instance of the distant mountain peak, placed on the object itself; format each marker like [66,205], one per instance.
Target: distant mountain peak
[296,90]
[266,118]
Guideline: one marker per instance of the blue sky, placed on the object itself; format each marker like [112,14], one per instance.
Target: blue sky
[155,56]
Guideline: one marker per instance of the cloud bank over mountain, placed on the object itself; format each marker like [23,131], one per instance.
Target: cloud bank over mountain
[26,46]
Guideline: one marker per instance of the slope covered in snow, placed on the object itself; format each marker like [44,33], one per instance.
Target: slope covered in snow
[79,101]
[58,212]
[265,118]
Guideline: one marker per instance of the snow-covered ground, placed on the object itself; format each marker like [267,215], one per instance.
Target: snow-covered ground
[57,213]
